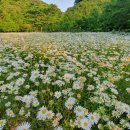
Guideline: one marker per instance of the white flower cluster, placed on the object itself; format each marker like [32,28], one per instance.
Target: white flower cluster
[66,82]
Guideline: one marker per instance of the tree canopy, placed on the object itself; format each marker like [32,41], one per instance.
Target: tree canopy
[85,15]
[27,15]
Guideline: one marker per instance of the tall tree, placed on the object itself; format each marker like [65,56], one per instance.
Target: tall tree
[77,1]
[116,15]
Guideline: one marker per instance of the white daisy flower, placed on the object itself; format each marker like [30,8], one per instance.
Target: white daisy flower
[50,114]
[42,114]
[85,124]
[90,87]
[27,99]
[59,83]
[68,77]
[10,113]
[58,128]
[77,85]
[128,90]
[128,115]
[7,104]
[23,126]
[2,123]
[114,91]
[55,123]
[93,118]
[27,86]
[70,102]
[57,94]
[59,116]
[20,81]
[78,122]
[79,111]
[35,74]
[126,108]
[35,102]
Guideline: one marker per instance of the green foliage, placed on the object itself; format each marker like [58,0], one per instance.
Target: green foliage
[101,15]
[116,15]
[27,15]
[85,15]
[77,1]
[74,19]
[90,23]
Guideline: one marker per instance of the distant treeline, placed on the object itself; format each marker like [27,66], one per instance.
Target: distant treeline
[85,15]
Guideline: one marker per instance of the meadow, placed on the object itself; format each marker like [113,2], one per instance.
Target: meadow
[64,81]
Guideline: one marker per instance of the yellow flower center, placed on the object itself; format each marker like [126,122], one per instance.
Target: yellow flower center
[85,123]
[79,122]
[1,123]
[55,122]
[129,91]
[69,104]
[119,109]
[20,82]
[36,74]
[43,111]
[10,113]
[126,108]
[49,114]
[92,118]
[78,110]
[81,117]
[66,77]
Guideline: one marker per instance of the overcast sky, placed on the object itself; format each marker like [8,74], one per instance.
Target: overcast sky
[62,4]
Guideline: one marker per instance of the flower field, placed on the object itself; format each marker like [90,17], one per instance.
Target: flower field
[65,81]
